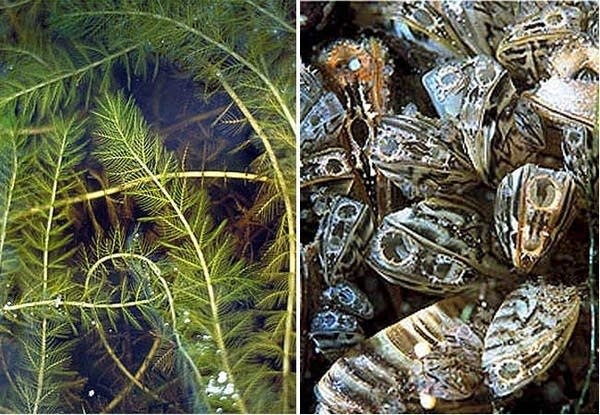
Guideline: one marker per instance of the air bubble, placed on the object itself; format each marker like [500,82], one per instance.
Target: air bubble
[222,377]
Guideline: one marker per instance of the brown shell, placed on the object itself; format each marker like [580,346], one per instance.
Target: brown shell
[423,156]
[370,76]
[527,47]
[570,95]
[534,207]
[529,331]
[382,375]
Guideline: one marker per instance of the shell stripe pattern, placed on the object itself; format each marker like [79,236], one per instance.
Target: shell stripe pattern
[527,334]
[375,377]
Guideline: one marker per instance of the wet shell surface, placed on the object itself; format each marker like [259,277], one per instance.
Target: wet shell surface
[437,246]
[343,233]
[387,374]
[322,114]
[534,206]
[527,47]
[421,155]
[529,331]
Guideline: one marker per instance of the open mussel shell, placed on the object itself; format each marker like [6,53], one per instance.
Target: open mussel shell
[436,246]
[422,156]
[343,233]
[534,206]
[387,373]
[359,72]
[527,48]
[527,334]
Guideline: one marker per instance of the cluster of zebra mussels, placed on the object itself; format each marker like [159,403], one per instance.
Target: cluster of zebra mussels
[474,200]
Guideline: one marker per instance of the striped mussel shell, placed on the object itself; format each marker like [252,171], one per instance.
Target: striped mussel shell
[334,331]
[479,96]
[343,233]
[527,334]
[480,24]
[329,168]
[421,155]
[321,114]
[426,24]
[408,367]
[581,160]
[570,94]
[534,207]
[527,48]
[436,246]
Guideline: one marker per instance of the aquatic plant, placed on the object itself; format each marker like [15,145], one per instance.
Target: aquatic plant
[115,282]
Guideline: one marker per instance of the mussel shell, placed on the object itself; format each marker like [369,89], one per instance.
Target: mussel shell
[479,95]
[581,160]
[311,89]
[359,72]
[334,331]
[322,114]
[381,375]
[421,155]
[322,125]
[480,24]
[529,331]
[348,298]
[533,208]
[329,168]
[437,246]
[426,24]
[527,48]
[570,95]
[343,234]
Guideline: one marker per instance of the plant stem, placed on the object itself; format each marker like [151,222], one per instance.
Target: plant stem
[125,186]
[154,268]
[283,23]
[289,216]
[138,375]
[10,186]
[70,74]
[163,132]
[46,268]
[120,364]
[80,304]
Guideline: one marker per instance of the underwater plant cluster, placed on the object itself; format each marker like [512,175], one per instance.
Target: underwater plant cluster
[147,179]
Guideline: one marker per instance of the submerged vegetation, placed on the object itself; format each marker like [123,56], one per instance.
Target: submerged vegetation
[120,290]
